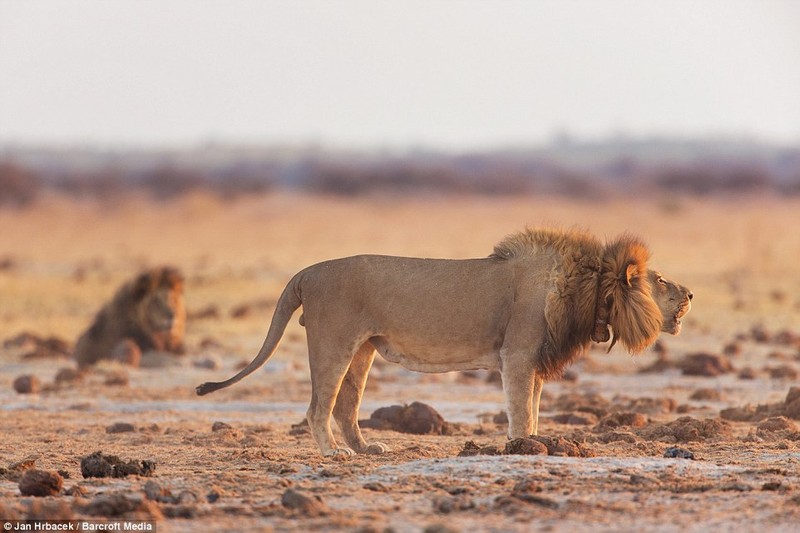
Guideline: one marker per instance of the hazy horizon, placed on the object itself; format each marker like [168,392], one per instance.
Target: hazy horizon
[446,75]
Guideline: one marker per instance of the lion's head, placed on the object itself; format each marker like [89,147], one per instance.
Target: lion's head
[157,297]
[638,302]
[147,310]
[673,300]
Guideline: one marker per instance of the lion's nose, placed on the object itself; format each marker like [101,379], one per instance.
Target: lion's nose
[690,295]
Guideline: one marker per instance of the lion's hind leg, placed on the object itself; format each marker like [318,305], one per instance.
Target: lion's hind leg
[328,365]
[348,401]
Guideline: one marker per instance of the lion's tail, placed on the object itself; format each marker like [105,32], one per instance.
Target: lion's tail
[285,308]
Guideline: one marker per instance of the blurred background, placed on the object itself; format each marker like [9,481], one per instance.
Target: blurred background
[349,97]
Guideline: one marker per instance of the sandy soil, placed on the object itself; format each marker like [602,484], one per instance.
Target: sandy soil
[614,417]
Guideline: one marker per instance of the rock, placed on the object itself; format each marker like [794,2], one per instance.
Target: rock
[619,419]
[220,426]
[100,465]
[470,449]
[307,506]
[792,410]
[561,446]
[776,423]
[27,384]
[417,418]
[448,504]
[121,504]
[688,429]
[40,483]
[525,446]
[705,364]
[117,378]
[578,418]
[120,427]
[747,373]
[711,395]
[209,362]
[68,375]
[678,453]
[782,372]
[792,395]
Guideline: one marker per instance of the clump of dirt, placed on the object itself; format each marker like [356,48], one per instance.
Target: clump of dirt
[122,505]
[38,347]
[782,372]
[620,419]
[688,429]
[651,406]
[525,446]
[222,426]
[304,505]
[27,384]
[710,395]
[561,446]
[705,364]
[15,471]
[40,483]
[100,465]
[67,375]
[789,408]
[120,427]
[678,453]
[471,449]
[776,423]
[578,418]
[117,378]
[588,403]
[417,418]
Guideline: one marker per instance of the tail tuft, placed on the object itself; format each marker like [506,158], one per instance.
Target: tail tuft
[205,388]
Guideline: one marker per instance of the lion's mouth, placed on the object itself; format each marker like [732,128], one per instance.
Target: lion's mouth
[685,308]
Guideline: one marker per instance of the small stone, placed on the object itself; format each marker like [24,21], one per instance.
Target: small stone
[308,506]
[120,427]
[27,384]
[220,426]
[525,446]
[40,483]
[678,453]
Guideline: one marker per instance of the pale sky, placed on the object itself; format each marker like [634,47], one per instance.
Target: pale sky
[442,74]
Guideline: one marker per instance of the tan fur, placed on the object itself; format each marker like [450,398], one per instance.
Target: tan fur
[528,310]
[148,310]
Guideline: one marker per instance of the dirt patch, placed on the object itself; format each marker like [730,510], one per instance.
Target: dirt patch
[417,418]
[688,429]
[100,465]
[705,364]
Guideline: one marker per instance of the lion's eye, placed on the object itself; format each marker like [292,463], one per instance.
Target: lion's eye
[662,280]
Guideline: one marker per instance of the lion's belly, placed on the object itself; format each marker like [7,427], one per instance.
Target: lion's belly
[437,359]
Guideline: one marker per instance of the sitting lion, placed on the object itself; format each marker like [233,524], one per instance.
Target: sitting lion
[528,309]
[146,313]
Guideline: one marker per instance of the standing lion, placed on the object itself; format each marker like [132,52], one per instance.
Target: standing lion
[528,310]
[146,313]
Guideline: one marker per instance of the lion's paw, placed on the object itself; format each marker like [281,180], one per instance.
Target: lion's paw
[340,452]
[376,448]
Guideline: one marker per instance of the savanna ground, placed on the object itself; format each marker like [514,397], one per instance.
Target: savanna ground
[61,259]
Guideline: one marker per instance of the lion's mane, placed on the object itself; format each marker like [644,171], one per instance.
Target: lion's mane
[595,284]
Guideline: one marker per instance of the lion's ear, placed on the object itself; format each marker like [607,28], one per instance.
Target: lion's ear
[141,286]
[631,272]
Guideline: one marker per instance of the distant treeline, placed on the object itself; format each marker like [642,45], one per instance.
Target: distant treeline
[230,173]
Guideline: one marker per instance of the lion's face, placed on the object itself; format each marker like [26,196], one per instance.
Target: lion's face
[674,301]
[162,307]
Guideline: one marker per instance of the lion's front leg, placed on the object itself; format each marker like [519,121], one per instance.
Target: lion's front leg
[518,385]
[538,384]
